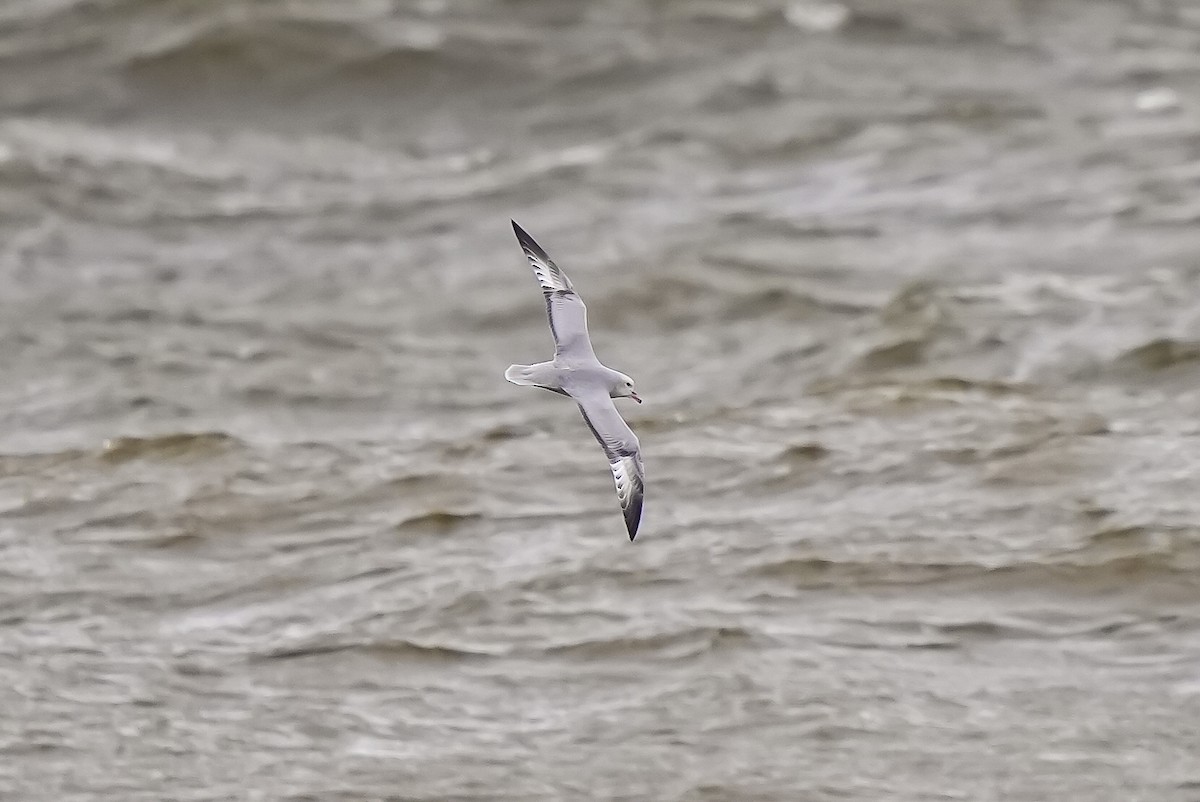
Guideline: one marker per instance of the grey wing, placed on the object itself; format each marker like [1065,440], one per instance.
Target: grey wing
[564,307]
[624,454]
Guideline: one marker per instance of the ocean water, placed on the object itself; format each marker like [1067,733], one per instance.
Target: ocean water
[911,289]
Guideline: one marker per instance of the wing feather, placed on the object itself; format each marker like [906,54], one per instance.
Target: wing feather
[624,454]
[564,308]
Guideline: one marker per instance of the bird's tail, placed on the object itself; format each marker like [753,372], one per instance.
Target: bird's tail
[542,375]
[520,374]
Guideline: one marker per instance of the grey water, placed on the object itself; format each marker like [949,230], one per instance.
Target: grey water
[912,292]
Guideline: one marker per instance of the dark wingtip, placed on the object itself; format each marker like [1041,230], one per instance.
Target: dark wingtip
[529,243]
[633,518]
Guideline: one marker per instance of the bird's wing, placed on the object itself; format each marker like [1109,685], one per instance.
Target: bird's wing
[568,315]
[621,447]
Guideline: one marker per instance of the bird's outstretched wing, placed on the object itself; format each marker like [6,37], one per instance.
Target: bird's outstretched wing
[564,307]
[624,453]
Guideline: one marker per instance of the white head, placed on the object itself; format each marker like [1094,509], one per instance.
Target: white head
[622,387]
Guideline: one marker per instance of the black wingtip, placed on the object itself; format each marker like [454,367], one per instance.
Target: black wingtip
[633,518]
[522,235]
[529,243]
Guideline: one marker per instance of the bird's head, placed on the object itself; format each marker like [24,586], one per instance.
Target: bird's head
[623,388]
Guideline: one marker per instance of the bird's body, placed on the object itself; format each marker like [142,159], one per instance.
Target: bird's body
[576,373]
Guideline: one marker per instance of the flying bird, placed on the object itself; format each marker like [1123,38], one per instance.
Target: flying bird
[576,373]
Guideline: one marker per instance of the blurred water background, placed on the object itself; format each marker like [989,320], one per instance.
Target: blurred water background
[911,287]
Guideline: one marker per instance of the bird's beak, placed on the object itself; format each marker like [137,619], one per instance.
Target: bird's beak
[635,397]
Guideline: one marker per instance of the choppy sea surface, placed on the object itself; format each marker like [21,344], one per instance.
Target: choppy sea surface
[911,288]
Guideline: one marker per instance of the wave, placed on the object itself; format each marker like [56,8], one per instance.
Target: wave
[169,446]
[1085,358]
[910,633]
[26,464]
[1120,556]
[394,649]
[666,645]
[118,54]
[439,522]
[1158,355]
[399,57]
[141,529]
